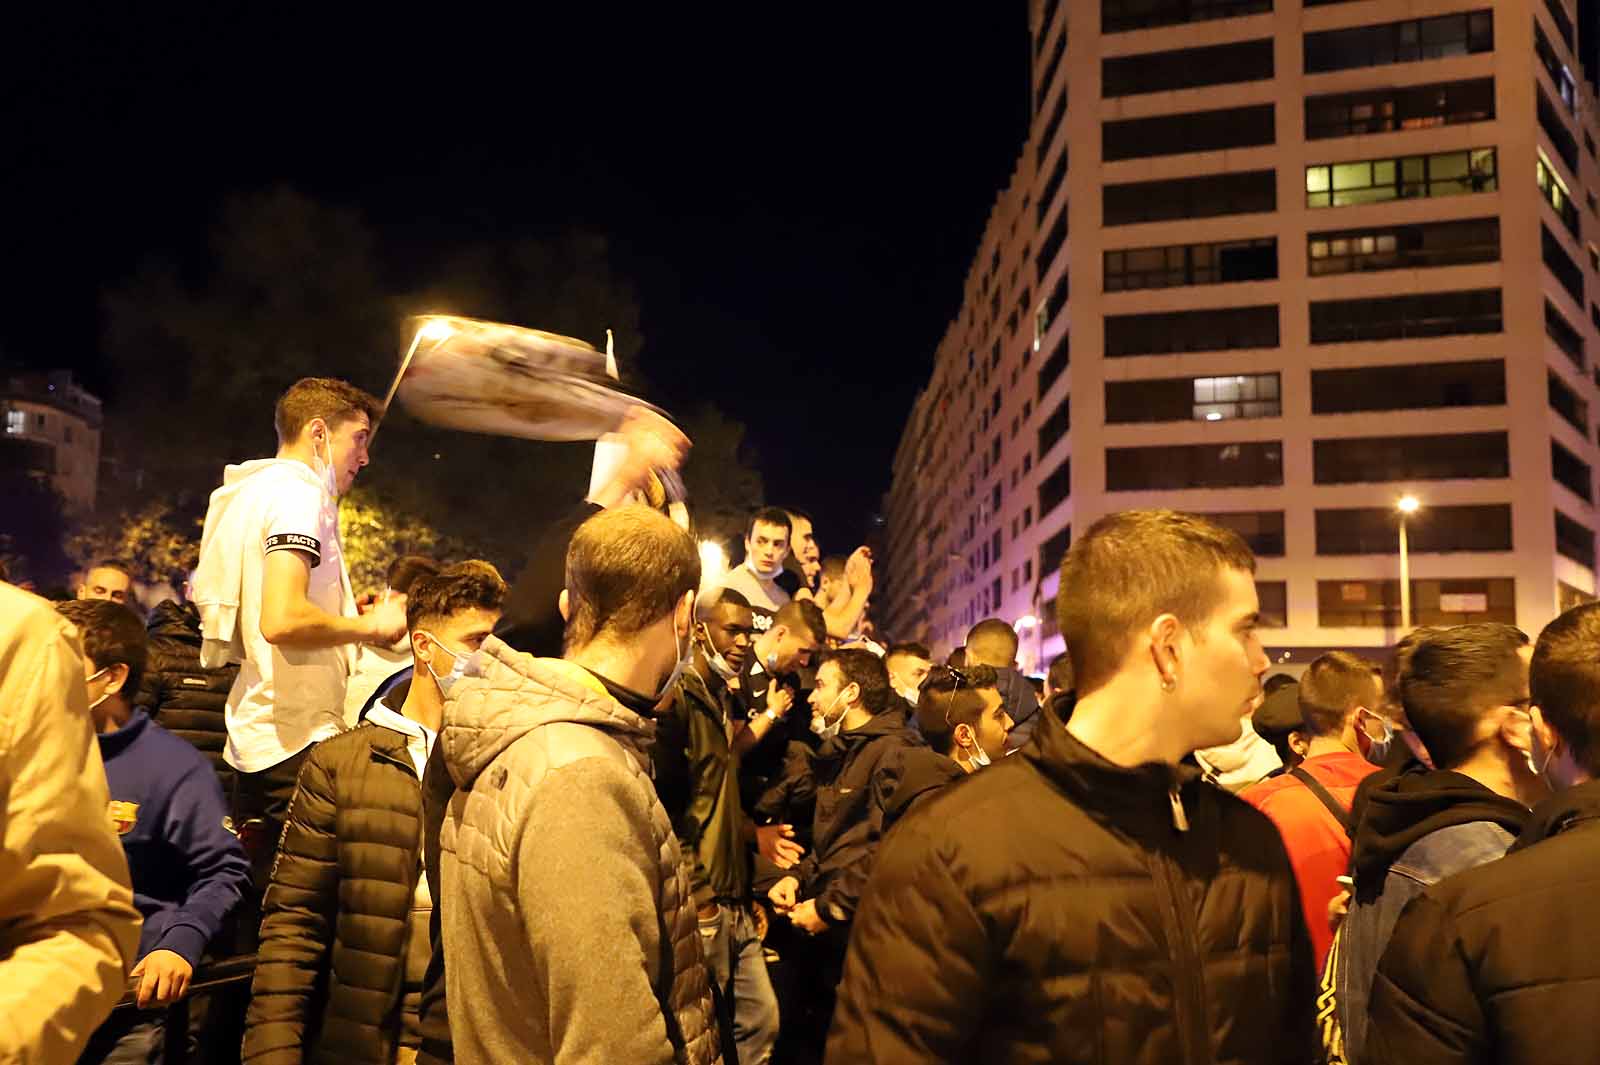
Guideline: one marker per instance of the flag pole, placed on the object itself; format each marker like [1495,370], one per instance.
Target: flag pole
[431,328]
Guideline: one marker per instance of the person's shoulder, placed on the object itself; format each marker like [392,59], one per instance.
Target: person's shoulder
[1566,862]
[178,757]
[26,617]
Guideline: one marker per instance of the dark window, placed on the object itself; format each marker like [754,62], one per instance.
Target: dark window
[1177,265]
[1261,529]
[1566,87]
[1399,42]
[1042,90]
[1052,244]
[1556,129]
[1377,459]
[1568,339]
[1344,251]
[996,589]
[1048,139]
[1273,597]
[1054,366]
[1563,266]
[1186,68]
[1056,487]
[1207,399]
[1563,24]
[1055,427]
[1571,471]
[1119,16]
[1555,190]
[1053,550]
[1408,177]
[1433,530]
[1196,131]
[1376,604]
[1180,466]
[1481,383]
[1171,332]
[1047,199]
[1054,304]
[995,542]
[1567,403]
[1431,314]
[1345,114]
[1574,540]
[1249,192]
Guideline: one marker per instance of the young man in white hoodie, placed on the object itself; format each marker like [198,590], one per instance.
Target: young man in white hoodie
[274,595]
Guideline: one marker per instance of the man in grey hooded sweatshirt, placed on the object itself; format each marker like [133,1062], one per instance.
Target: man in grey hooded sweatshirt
[570,932]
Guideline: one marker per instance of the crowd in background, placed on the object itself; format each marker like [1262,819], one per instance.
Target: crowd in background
[626,809]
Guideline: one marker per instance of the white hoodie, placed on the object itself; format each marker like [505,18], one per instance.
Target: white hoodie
[284,698]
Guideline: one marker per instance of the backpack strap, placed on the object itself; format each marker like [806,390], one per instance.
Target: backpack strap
[1340,814]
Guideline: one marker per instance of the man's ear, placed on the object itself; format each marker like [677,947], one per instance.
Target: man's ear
[116,677]
[1549,738]
[1164,634]
[564,604]
[1514,731]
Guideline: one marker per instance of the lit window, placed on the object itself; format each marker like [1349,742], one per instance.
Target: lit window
[16,421]
[1241,396]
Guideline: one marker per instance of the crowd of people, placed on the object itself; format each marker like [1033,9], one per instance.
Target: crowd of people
[628,811]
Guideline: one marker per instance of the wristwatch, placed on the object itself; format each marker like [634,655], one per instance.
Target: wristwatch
[770,716]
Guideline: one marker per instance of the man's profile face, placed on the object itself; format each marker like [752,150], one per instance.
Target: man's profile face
[795,650]
[1224,663]
[103,582]
[731,629]
[907,672]
[767,546]
[348,443]
[827,702]
[804,542]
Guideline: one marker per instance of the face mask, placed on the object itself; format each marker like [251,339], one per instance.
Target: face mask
[718,663]
[685,657]
[103,695]
[330,480]
[976,754]
[1378,750]
[457,671]
[1533,767]
[831,729]
[764,574]
[910,695]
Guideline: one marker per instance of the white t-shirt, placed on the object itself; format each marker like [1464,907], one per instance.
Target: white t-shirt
[765,596]
[285,698]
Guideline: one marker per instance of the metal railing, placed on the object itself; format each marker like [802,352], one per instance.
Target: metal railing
[208,978]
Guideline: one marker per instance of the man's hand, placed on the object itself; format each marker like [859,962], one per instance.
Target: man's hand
[1338,909]
[806,918]
[858,568]
[652,443]
[776,844]
[163,978]
[387,620]
[779,700]
[783,894]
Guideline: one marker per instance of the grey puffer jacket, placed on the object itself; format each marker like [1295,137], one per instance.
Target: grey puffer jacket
[568,924]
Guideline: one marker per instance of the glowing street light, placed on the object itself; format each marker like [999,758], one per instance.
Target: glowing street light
[1026,622]
[1407,506]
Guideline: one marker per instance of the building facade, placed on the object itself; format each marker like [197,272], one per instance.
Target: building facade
[50,427]
[1323,254]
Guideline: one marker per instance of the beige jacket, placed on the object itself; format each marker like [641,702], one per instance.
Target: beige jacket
[68,929]
[569,930]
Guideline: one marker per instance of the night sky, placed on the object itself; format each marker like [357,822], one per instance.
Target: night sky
[796,201]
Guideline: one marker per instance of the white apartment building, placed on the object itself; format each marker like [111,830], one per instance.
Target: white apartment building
[50,427]
[1323,254]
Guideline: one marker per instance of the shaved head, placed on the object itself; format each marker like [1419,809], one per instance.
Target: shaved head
[992,643]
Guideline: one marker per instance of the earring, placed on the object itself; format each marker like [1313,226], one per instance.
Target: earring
[1168,684]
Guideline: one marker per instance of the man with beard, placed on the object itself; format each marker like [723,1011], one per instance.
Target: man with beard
[697,777]
[993,643]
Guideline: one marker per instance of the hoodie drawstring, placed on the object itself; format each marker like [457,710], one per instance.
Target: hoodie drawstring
[1180,820]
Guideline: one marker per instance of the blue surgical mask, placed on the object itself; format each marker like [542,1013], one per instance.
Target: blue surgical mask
[1378,750]
[457,671]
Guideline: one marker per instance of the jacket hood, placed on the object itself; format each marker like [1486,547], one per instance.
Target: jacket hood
[1404,809]
[235,474]
[505,694]
[1017,695]
[922,770]
[176,621]
[1561,811]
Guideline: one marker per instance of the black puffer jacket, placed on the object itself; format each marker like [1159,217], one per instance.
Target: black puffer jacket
[177,693]
[1052,908]
[333,933]
[1498,964]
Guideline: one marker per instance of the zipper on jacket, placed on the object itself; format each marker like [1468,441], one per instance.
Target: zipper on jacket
[1180,819]
[1188,982]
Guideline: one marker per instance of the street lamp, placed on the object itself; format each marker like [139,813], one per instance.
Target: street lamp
[1407,506]
[1029,622]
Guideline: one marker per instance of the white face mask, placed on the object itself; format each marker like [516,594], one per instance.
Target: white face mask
[765,575]
[718,663]
[829,729]
[976,754]
[685,649]
[103,695]
[330,479]
[457,671]
[910,695]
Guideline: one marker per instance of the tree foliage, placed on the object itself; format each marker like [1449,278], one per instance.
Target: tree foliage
[373,532]
[720,477]
[157,545]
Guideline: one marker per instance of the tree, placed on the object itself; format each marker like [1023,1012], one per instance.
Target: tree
[723,484]
[157,545]
[374,532]
[33,527]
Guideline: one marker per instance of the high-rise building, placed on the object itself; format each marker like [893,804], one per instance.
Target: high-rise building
[50,429]
[1323,255]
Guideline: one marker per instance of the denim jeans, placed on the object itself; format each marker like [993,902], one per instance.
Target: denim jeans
[739,969]
[127,1038]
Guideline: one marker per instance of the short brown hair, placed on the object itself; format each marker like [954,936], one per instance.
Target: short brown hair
[627,567]
[1333,685]
[328,398]
[112,635]
[471,585]
[1564,681]
[802,615]
[407,570]
[950,698]
[1131,568]
[1454,677]
[992,642]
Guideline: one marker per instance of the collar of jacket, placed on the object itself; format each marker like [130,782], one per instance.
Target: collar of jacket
[709,692]
[885,723]
[175,620]
[1117,793]
[506,694]
[1563,810]
[115,742]
[388,745]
